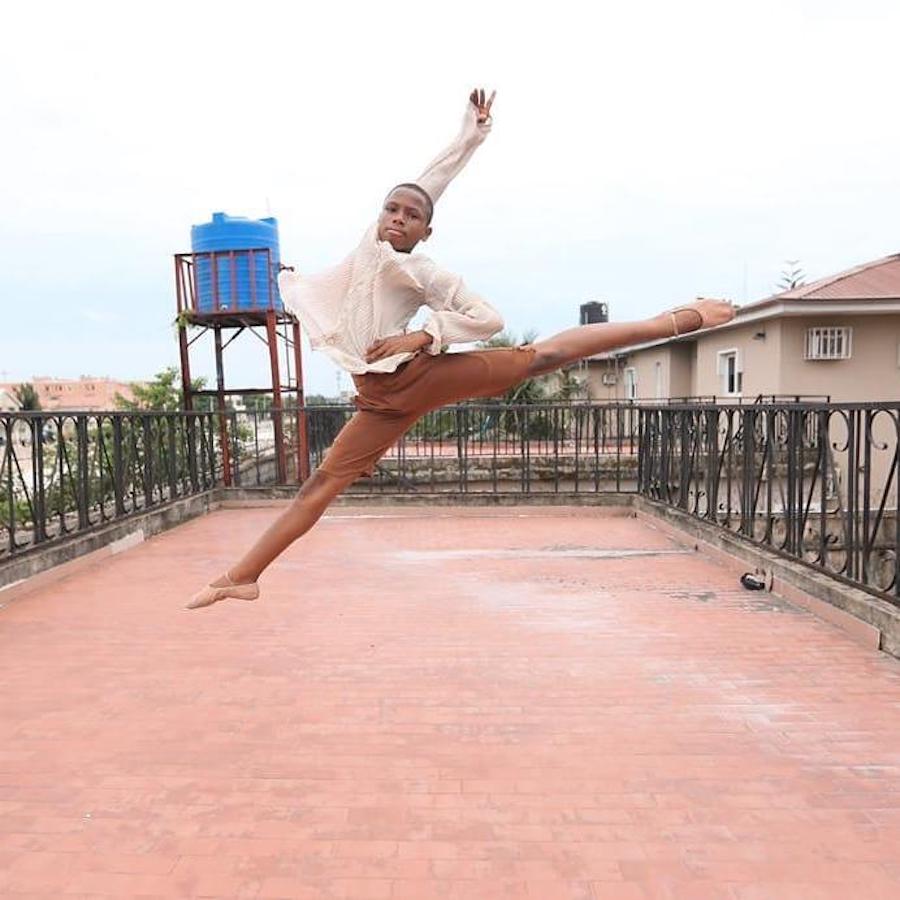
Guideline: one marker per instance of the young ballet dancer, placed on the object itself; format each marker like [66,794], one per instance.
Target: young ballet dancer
[357,313]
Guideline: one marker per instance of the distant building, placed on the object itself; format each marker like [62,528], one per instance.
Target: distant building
[8,402]
[837,337]
[85,393]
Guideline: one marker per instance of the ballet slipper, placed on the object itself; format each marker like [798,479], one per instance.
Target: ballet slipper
[709,314]
[209,595]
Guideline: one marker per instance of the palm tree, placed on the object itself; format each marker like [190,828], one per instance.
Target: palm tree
[792,276]
[541,388]
[569,385]
[27,397]
[532,390]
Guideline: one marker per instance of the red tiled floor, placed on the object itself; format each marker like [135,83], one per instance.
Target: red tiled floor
[441,703]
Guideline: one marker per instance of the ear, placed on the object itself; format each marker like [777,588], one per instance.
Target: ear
[427,233]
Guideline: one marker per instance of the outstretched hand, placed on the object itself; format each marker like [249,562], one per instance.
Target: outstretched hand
[482,107]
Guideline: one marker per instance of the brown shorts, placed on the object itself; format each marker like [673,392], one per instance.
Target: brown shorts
[388,403]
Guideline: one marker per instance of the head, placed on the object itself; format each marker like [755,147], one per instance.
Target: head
[405,217]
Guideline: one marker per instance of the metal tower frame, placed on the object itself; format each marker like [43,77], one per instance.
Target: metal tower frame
[278,327]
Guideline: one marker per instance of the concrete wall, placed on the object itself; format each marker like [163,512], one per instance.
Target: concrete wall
[758,360]
[682,360]
[676,368]
[870,374]
[644,364]
[597,390]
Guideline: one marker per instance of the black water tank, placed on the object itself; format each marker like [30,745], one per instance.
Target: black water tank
[594,312]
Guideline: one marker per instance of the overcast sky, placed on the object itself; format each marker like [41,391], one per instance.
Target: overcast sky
[641,154]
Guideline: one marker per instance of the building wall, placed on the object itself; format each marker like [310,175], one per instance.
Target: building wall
[84,393]
[643,363]
[773,364]
[759,359]
[676,369]
[593,373]
[871,373]
[691,368]
[682,359]
[8,402]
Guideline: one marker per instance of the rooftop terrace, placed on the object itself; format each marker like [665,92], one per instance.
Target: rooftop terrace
[441,703]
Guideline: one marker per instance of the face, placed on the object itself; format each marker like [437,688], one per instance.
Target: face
[403,220]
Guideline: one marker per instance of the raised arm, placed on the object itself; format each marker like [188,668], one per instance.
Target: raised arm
[476,126]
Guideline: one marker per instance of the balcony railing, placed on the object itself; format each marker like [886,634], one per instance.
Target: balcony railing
[471,447]
[814,481]
[68,473]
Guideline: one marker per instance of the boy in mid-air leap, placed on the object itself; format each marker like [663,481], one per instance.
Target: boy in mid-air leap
[357,313]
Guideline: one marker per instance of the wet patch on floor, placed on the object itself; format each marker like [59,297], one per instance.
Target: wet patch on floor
[531,553]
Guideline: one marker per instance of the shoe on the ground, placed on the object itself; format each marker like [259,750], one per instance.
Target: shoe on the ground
[209,595]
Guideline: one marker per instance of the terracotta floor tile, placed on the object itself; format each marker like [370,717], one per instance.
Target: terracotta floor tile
[441,703]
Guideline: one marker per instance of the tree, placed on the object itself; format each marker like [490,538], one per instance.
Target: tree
[792,276]
[532,390]
[562,385]
[163,394]
[258,403]
[27,397]
[569,385]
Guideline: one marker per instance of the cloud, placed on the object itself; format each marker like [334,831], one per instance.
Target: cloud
[641,153]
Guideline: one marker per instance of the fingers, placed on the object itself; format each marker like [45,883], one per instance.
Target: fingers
[381,349]
[482,105]
[388,346]
[373,352]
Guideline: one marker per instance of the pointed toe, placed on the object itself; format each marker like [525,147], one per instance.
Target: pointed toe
[205,597]
[209,595]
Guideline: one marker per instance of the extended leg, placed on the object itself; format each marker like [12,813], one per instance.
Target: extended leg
[587,340]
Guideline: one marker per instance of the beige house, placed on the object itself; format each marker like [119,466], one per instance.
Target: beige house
[838,337]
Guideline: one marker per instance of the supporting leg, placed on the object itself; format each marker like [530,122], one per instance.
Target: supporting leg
[305,510]
[359,444]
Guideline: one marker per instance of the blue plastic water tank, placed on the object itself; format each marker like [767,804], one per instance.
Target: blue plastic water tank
[233,271]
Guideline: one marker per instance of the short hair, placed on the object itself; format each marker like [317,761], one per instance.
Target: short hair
[411,186]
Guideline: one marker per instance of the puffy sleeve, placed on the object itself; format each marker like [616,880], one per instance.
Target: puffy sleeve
[451,160]
[459,314]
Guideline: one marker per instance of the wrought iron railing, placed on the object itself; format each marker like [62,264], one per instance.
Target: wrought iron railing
[814,482]
[472,447]
[817,482]
[64,473]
